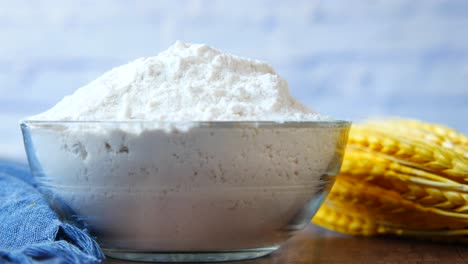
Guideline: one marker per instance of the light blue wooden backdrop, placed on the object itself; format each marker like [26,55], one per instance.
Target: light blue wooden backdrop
[350,59]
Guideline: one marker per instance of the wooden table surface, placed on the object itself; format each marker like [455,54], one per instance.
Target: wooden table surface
[316,245]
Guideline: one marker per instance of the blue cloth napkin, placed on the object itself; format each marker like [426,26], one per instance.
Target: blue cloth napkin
[30,232]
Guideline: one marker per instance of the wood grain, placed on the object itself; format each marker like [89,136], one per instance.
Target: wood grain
[316,245]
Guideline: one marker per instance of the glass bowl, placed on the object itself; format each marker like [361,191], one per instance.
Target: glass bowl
[186,191]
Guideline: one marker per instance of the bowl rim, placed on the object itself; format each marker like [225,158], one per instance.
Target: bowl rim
[221,124]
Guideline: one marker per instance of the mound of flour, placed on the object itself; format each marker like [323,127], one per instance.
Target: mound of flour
[187,82]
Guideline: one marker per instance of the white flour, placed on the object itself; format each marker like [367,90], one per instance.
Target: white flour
[187,82]
[215,186]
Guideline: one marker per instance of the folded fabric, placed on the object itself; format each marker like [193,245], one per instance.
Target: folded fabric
[30,231]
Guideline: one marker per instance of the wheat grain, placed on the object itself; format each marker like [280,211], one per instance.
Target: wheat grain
[355,224]
[359,162]
[344,222]
[389,206]
[415,154]
[446,133]
[426,195]
[414,130]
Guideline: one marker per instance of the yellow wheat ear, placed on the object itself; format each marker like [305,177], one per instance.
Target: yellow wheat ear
[400,177]
[431,133]
[413,152]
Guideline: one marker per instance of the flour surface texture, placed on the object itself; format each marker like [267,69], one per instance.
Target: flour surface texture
[187,82]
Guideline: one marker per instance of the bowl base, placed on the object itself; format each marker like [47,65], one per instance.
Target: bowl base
[189,256]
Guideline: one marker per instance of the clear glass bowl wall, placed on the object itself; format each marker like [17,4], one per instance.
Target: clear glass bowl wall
[186,187]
